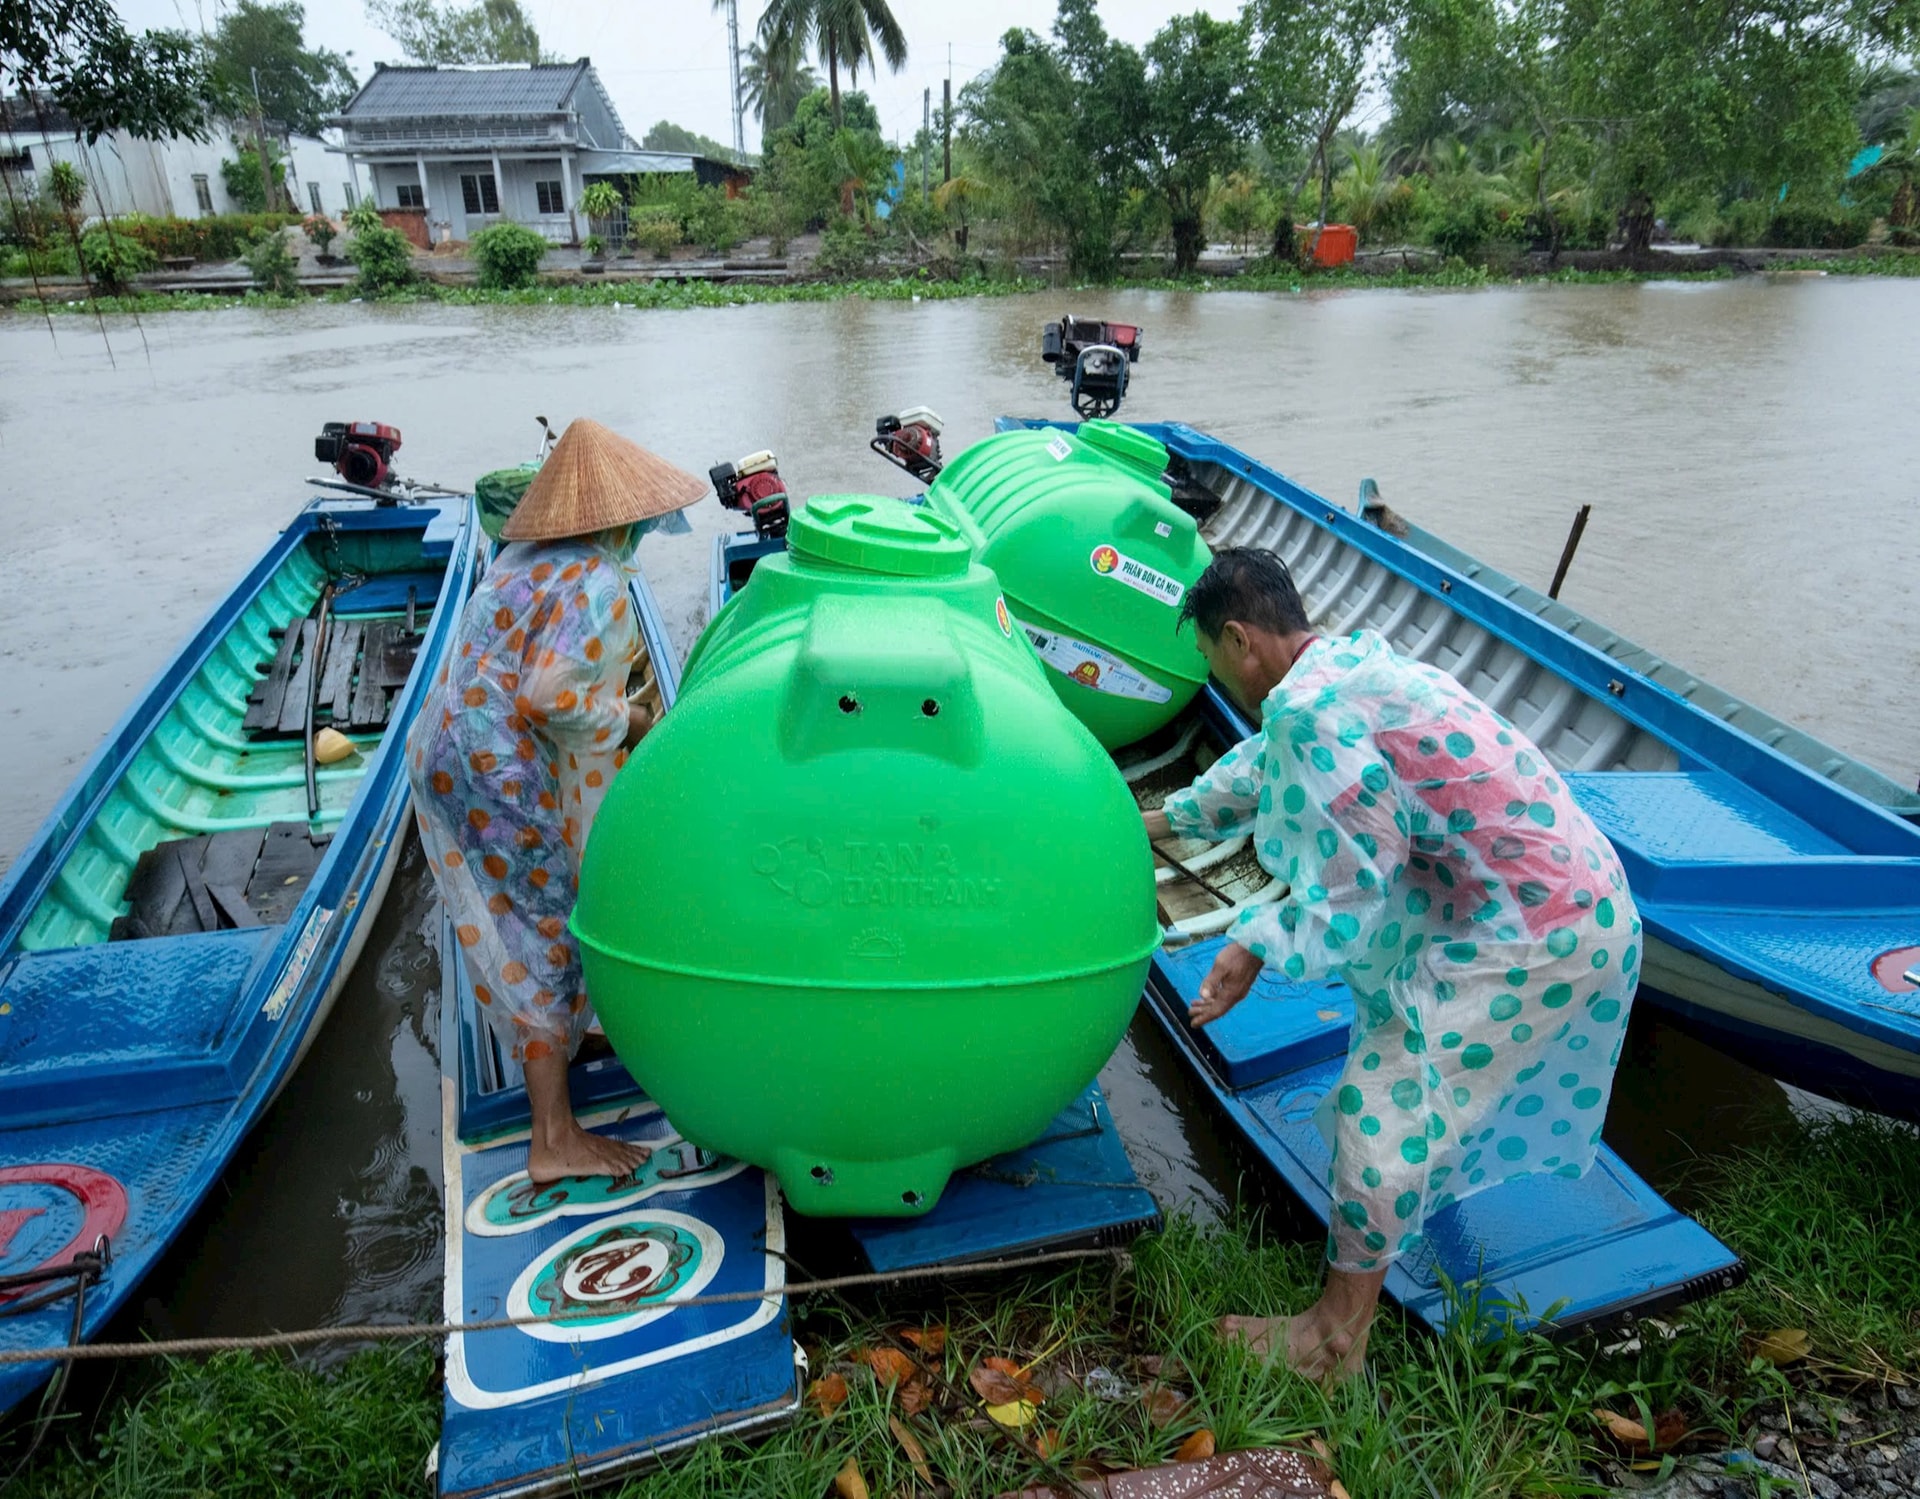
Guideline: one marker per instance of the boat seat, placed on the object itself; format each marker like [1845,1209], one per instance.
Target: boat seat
[246,878]
[366,662]
[1677,816]
[1280,1027]
[386,593]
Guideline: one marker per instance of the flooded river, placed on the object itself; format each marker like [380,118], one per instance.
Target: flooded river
[1748,448]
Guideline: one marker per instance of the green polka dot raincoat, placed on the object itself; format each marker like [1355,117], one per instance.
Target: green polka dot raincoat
[1439,866]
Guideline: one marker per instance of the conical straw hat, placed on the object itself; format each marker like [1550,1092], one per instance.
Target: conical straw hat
[595,479]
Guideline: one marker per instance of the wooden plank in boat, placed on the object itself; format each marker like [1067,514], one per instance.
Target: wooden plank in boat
[264,703]
[180,886]
[294,702]
[288,856]
[386,659]
[336,672]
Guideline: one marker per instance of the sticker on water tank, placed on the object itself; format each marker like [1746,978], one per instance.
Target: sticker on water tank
[1005,619]
[1092,667]
[1060,448]
[1110,562]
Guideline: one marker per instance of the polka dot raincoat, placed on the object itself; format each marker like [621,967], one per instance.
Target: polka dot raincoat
[509,760]
[1440,867]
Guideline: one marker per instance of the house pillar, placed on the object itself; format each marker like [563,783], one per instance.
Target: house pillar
[569,195]
[499,185]
[426,199]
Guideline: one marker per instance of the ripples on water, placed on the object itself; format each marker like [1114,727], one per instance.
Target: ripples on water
[1747,447]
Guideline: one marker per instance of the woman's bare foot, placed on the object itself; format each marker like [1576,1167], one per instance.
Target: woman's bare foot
[558,1146]
[580,1152]
[1312,1350]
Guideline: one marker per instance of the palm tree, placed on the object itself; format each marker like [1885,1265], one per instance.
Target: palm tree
[774,79]
[853,33]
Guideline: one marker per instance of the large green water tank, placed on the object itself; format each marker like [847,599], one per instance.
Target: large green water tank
[1096,558]
[867,906]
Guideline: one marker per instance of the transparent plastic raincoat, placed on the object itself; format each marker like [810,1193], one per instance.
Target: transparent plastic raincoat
[1440,867]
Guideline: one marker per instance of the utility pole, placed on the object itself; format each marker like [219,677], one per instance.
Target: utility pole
[733,58]
[260,142]
[926,138]
[946,127]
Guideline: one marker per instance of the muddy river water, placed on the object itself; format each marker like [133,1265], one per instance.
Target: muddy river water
[1748,448]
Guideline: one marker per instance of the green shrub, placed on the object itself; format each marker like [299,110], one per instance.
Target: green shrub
[113,259]
[508,255]
[1818,226]
[362,217]
[274,266]
[655,228]
[384,260]
[716,222]
[28,260]
[847,251]
[225,236]
[1460,224]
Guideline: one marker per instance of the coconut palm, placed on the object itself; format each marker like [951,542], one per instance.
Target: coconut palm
[842,33]
[1365,190]
[774,79]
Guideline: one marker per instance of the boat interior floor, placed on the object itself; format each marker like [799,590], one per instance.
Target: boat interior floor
[220,882]
[361,665]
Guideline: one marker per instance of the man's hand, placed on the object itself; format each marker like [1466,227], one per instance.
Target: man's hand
[1157,825]
[640,720]
[1233,974]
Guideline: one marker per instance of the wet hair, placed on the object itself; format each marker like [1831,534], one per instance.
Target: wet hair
[1249,584]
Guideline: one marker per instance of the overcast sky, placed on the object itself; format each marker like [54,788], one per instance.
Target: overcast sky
[667,59]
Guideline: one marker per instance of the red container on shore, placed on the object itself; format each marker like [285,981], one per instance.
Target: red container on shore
[1336,245]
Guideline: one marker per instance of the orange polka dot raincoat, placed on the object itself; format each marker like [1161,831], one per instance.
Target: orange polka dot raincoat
[509,760]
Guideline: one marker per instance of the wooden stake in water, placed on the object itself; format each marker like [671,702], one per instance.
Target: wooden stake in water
[1567,551]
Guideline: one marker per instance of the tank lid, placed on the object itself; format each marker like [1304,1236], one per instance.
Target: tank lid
[879,535]
[1129,445]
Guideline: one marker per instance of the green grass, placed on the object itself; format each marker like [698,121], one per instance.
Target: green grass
[693,294]
[1827,1216]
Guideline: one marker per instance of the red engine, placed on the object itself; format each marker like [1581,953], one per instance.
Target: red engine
[910,439]
[359,452]
[753,486]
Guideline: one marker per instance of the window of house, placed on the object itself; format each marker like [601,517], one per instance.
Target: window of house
[551,198]
[202,192]
[16,161]
[348,195]
[313,196]
[410,195]
[478,191]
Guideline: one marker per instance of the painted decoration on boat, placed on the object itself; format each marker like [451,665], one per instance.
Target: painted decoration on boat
[515,1204]
[297,962]
[1092,667]
[611,1276]
[53,1210]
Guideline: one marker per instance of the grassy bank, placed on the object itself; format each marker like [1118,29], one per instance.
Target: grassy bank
[691,294]
[1826,1215]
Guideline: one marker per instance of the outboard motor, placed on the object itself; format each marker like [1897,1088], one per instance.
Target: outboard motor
[359,452]
[753,486]
[1094,358]
[910,439]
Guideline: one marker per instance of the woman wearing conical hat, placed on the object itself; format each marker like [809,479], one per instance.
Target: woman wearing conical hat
[515,747]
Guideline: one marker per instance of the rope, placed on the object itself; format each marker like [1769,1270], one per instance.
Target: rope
[387,1331]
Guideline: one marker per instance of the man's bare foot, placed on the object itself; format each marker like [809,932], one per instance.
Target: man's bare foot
[1314,1348]
[573,1151]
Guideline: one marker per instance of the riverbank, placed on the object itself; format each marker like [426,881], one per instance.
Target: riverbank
[1803,1380]
[720,290]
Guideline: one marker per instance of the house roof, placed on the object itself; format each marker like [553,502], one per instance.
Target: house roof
[416,92]
[639,163]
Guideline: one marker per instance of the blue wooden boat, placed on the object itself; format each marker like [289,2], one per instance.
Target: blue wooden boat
[1782,905]
[174,935]
[540,1411]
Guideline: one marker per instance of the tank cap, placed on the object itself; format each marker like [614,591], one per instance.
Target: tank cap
[879,535]
[1129,445]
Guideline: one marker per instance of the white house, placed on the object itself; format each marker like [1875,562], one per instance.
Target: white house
[176,177]
[465,147]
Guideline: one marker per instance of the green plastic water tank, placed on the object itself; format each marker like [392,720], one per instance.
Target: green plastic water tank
[867,906]
[1096,558]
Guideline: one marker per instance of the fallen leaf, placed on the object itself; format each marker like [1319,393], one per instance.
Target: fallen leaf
[849,1484]
[1327,1014]
[1787,1346]
[1000,1381]
[1321,1450]
[910,1444]
[889,1365]
[1670,1428]
[1013,1414]
[1623,1429]
[1165,1406]
[931,1341]
[915,1396]
[1337,1490]
[1047,1443]
[1195,1447]
[828,1393]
